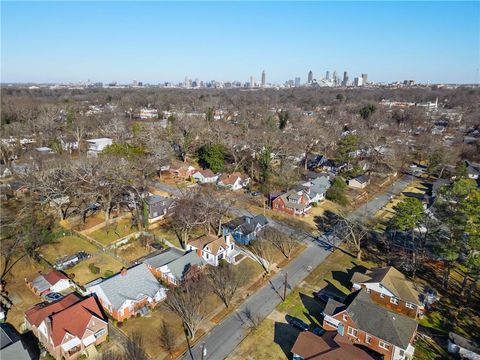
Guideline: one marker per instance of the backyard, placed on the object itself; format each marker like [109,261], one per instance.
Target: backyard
[114,232]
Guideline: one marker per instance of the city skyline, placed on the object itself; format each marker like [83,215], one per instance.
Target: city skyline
[164,42]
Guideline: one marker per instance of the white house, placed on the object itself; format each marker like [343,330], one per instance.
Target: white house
[96,146]
[213,249]
[359,182]
[205,176]
[233,181]
[54,281]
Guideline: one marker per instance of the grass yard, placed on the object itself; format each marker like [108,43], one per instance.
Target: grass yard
[131,251]
[67,245]
[162,232]
[115,232]
[274,338]
[105,262]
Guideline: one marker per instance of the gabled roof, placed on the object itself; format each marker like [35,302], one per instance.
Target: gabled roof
[74,319]
[327,347]
[132,284]
[39,312]
[394,328]
[179,266]
[246,224]
[362,179]
[230,179]
[392,279]
[11,346]
[207,173]
[164,257]
[213,242]
[46,281]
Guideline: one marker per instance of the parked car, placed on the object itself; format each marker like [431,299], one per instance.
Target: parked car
[297,323]
[255,193]
[53,296]
[323,296]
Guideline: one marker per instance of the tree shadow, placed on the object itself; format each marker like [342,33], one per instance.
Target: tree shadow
[326,221]
[418,196]
[285,336]
[31,343]
[344,277]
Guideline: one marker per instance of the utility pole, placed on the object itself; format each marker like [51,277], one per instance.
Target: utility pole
[188,342]
[204,351]
[285,286]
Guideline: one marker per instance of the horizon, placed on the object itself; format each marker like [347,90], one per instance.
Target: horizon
[49,42]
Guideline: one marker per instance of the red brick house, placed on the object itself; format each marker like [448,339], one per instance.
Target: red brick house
[69,327]
[365,323]
[389,288]
[292,202]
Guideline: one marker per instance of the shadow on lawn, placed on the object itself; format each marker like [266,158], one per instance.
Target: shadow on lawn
[344,277]
[314,309]
[285,336]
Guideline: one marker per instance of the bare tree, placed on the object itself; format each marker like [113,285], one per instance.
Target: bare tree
[188,303]
[283,242]
[134,347]
[354,232]
[167,338]
[262,253]
[225,282]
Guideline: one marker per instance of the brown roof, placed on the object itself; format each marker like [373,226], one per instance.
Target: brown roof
[392,279]
[229,179]
[38,313]
[327,347]
[214,243]
[205,173]
[55,276]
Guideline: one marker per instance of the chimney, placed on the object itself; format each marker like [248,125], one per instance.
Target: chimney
[123,272]
[247,219]
[199,252]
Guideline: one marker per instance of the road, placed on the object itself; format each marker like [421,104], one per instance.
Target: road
[227,335]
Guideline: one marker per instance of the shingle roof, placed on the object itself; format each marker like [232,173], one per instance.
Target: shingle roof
[11,347]
[39,312]
[392,279]
[326,347]
[229,179]
[362,179]
[180,265]
[395,328]
[164,257]
[242,225]
[214,243]
[46,281]
[138,281]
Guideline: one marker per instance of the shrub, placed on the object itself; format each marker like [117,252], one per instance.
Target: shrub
[119,324]
[108,273]
[94,269]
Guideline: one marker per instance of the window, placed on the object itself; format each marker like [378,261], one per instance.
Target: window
[394,300]
[401,352]
[345,317]
[368,339]
[367,290]
[384,345]
[410,306]
[382,295]
[100,332]
[352,331]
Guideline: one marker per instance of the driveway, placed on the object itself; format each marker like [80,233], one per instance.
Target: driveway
[226,336]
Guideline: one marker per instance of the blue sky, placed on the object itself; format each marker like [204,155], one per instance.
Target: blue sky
[166,41]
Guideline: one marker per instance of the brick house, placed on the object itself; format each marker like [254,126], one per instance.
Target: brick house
[390,288]
[173,264]
[130,292]
[70,327]
[292,202]
[365,323]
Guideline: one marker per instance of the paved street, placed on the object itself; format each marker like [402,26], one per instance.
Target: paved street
[226,336]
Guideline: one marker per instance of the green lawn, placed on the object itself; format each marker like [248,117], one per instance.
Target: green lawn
[67,245]
[115,232]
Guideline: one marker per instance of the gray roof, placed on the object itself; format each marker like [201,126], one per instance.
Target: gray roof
[362,179]
[246,224]
[333,307]
[136,283]
[11,347]
[164,257]
[395,328]
[182,264]
[40,284]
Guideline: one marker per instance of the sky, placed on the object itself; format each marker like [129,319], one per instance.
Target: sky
[154,42]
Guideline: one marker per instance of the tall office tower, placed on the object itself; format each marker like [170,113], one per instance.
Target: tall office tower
[263,78]
[310,77]
[297,82]
[358,81]
[335,80]
[252,84]
[364,79]
[345,79]
[327,75]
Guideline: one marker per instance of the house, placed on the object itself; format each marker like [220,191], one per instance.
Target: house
[44,150]
[159,207]
[96,146]
[213,248]
[70,327]
[244,229]
[473,170]
[235,181]
[172,264]
[365,323]
[317,188]
[466,349]
[329,346]
[359,182]
[183,171]
[390,288]
[205,176]
[146,113]
[293,202]
[131,291]
[11,345]
[320,162]
[53,281]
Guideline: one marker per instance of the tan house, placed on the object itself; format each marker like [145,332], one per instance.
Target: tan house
[70,327]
